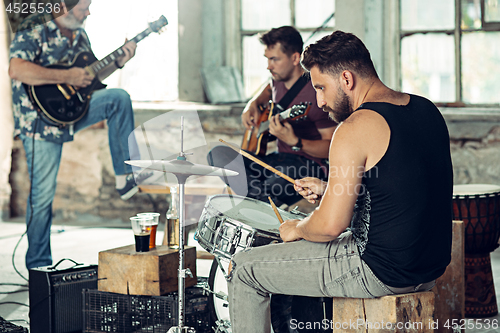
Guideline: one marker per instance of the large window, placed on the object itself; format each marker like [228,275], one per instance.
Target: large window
[450,50]
[258,16]
[152,75]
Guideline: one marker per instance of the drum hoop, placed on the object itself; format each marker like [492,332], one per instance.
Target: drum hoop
[476,196]
[493,191]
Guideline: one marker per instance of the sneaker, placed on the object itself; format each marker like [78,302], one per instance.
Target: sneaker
[131,187]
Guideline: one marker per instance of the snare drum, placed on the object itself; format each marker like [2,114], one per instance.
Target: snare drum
[478,206]
[229,224]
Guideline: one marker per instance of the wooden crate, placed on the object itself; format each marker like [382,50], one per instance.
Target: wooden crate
[396,313]
[154,273]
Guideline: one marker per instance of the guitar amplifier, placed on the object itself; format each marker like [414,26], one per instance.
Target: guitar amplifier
[55,297]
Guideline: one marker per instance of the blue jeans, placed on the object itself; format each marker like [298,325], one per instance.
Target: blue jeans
[254,181]
[43,164]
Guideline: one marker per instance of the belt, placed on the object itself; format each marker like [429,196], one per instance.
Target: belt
[412,289]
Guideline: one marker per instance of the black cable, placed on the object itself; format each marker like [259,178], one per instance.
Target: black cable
[14,284]
[16,303]
[30,199]
[13,292]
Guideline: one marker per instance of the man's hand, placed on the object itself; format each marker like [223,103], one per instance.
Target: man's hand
[289,231]
[78,77]
[312,189]
[250,114]
[129,50]
[284,132]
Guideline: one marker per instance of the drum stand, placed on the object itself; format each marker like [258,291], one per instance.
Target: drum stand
[182,173]
[181,180]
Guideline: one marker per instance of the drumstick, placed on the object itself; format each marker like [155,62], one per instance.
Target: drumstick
[276,210]
[256,160]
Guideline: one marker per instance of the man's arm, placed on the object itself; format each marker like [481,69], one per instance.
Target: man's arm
[33,74]
[357,145]
[316,148]
[252,111]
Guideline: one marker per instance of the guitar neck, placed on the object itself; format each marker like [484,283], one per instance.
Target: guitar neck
[284,115]
[99,65]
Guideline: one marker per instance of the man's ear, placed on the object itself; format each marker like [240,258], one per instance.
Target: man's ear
[60,8]
[347,80]
[296,59]
[63,7]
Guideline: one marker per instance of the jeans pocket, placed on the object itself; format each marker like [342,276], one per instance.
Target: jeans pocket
[350,284]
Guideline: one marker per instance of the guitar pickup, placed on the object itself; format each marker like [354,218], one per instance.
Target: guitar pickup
[64,92]
[72,91]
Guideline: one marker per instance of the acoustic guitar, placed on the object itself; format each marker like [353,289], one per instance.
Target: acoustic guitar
[255,140]
[64,104]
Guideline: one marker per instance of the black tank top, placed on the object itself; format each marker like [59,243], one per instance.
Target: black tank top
[402,218]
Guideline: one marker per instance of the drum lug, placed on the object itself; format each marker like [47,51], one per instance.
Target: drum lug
[296,211]
[223,326]
[236,237]
[185,272]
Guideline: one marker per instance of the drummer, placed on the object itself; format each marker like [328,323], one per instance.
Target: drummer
[390,181]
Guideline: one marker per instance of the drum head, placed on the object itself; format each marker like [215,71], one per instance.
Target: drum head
[475,189]
[254,213]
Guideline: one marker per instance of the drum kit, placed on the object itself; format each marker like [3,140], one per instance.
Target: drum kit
[228,224]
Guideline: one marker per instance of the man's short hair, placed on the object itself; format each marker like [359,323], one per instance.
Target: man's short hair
[338,52]
[289,38]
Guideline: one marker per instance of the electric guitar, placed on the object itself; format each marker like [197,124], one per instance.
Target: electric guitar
[64,104]
[255,140]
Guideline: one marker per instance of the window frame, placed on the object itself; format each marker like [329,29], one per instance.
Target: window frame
[457,34]
[249,33]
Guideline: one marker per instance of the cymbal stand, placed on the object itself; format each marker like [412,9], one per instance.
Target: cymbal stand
[181,179]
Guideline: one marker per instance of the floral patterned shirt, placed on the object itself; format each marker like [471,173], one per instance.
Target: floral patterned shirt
[39,40]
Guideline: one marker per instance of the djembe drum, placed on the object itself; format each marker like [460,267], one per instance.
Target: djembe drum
[478,206]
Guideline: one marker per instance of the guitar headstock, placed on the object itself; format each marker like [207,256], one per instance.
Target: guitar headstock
[300,111]
[157,25]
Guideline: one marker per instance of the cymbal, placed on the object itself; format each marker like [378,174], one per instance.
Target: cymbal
[182,167]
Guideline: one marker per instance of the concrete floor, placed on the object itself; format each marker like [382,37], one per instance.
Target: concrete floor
[83,241]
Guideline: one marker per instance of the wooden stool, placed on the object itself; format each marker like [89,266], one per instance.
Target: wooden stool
[446,304]
[396,313]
